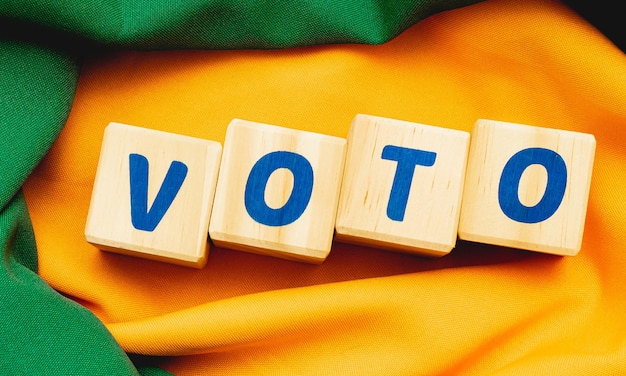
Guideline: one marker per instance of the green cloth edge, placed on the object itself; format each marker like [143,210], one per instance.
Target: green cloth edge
[41,46]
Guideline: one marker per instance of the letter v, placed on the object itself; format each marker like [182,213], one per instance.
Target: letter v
[141,217]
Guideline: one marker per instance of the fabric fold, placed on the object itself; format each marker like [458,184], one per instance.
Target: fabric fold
[480,310]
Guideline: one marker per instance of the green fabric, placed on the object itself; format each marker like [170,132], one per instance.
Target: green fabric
[227,24]
[42,333]
[41,43]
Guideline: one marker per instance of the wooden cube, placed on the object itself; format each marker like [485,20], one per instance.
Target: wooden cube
[527,187]
[277,192]
[402,186]
[152,195]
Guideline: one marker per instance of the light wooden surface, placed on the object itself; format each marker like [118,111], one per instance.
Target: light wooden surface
[483,219]
[429,224]
[180,237]
[307,238]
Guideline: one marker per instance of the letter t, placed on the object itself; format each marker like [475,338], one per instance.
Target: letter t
[407,160]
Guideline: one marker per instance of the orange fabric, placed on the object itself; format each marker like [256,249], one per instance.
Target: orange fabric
[480,310]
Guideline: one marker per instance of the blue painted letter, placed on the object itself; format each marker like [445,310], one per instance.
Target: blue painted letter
[407,160]
[141,217]
[254,197]
[508,196]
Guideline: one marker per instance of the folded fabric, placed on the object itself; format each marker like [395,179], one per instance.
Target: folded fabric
[480,310]
[41,46]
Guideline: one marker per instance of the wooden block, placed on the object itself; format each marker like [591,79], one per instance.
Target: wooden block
[277,192]
[527,187]
[402,186]
[152,195]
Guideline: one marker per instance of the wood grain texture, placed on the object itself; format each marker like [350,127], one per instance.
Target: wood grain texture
[432,187]
[308,237]
[180,233]
[518,221]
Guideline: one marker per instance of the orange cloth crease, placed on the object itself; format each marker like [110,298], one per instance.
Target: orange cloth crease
[480,310]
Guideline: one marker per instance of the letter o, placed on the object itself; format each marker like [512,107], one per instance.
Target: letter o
[254,196]
[508,189]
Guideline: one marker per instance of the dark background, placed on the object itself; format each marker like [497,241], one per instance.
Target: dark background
[606,16]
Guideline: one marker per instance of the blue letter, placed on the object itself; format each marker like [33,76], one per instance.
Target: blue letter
[141,217]
[508,196]
[254,197]
[407,160]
